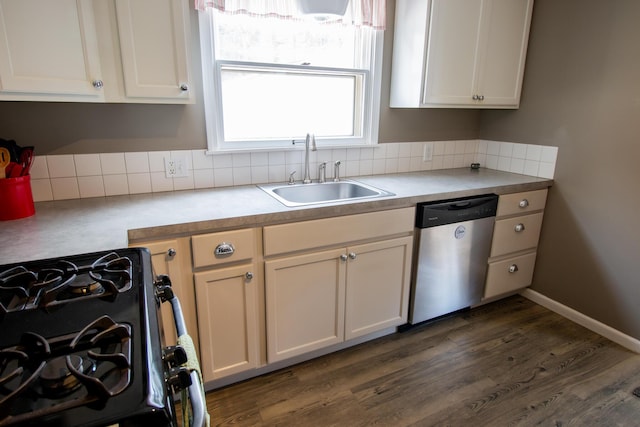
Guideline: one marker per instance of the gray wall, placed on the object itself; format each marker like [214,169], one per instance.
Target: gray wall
[582,94]
[72,128]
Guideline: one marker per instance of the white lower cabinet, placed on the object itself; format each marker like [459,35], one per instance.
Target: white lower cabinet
[378,277]
[229,301]
[323,297]
[305,303]
[171,257]
[515,241]
[226,301]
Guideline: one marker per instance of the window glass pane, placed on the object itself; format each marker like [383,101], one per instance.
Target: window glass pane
[247,38]
[261,104]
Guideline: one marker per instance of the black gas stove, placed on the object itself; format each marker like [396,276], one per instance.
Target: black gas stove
[80,343]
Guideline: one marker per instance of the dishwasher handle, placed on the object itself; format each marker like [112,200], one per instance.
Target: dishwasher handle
[431,214]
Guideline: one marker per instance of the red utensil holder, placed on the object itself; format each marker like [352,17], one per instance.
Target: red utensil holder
[16,199]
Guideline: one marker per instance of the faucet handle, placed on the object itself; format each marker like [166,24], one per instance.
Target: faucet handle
[322,172]
[291,180]
[336,171]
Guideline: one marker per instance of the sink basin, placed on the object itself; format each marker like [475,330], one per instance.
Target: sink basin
[326,192]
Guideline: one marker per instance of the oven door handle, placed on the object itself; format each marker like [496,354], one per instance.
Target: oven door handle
[196,390]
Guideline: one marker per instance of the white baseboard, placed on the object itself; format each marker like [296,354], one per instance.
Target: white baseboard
[579,318]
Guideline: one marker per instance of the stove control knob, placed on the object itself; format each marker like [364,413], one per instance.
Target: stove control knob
[163,288]
[178,378]
[174,355]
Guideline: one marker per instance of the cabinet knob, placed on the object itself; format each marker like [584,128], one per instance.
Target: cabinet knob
[171,252]
[519,227]
[343,257]
[352,255]
[248,275]
[474,97]
[523,203]
[184,87]
[513,268]
[480,97]
[98,84]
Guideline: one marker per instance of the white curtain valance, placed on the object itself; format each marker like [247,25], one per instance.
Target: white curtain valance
[366,13]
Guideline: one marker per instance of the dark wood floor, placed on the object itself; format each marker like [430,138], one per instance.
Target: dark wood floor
[508,363]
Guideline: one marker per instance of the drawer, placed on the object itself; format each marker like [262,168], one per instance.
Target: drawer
[509,275]
[520,203]
[337,230]
[516,234]
[232,246]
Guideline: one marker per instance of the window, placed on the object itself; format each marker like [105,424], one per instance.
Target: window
[268,81]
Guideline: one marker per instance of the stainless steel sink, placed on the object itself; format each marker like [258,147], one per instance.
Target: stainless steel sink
[326,192]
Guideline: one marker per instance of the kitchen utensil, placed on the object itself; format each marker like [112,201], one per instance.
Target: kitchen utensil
[26,159]
[14,170]
[5,159]
[12,147]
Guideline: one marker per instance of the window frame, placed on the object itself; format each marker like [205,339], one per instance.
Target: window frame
[211,78]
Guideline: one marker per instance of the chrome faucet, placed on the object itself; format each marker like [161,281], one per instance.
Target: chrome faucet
[309,144]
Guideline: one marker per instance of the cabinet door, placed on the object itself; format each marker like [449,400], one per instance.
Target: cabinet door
[378,277]
[226,301]
[476,52]
[48,51]
[154,47]
[171,258]
[305,303]
[502,51]
[452,49]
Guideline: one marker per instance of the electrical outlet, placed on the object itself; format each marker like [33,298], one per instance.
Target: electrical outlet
[176,166]
[428,152]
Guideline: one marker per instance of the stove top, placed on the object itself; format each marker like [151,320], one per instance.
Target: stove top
[80,342]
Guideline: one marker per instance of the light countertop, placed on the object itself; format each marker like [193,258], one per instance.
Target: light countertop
[67,227]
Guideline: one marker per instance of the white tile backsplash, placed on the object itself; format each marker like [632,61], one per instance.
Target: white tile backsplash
[61,166]
[139,182]
[59,177]
[113,163]
[115,185]
[137,163]
[87,164]
[201,160]
[39,168]
[91,186]
[65,188]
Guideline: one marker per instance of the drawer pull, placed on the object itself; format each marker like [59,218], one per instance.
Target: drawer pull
[224,250]
[248,275]
[519,227]
[523,203]
[513,268]
[171,252]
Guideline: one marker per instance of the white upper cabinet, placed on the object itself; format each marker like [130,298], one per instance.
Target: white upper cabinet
[49,49]
[153,45]
[459,53]
[95,51]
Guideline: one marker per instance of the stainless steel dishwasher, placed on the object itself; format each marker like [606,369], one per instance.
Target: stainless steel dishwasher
[452,245]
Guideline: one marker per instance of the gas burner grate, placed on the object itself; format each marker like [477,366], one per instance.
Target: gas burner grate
[50,375]
[24,287]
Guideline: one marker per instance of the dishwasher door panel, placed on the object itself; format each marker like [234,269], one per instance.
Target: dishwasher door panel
[450,268]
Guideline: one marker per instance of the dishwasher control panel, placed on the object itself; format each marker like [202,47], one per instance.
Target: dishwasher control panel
[431,214]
